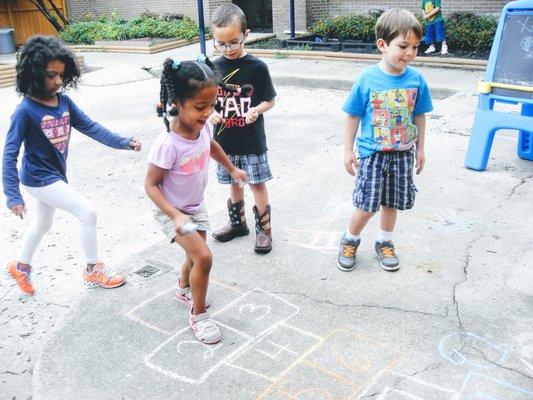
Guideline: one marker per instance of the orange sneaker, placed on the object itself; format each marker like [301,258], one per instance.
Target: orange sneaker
[99,277]
[23,279]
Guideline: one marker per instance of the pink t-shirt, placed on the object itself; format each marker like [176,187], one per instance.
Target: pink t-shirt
[187,165]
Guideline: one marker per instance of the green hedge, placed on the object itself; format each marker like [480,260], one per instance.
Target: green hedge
[346,27]
[466,31]
[470,32]
[87,32]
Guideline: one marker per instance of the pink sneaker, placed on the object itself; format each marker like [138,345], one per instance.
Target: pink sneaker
[205,330]
[184,296]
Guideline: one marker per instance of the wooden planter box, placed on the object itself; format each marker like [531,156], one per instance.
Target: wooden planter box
[316,42]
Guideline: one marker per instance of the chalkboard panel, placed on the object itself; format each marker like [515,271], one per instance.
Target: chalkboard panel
[514,64]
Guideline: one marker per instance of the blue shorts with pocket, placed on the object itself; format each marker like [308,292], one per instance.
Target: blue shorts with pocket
[255,165]
[435,33]
[385,178]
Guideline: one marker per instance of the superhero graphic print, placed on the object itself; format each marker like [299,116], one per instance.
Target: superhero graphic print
[392,112]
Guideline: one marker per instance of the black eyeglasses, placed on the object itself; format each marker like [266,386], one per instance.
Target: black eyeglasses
[230,46]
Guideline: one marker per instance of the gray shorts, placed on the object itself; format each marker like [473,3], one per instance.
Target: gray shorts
[201,218]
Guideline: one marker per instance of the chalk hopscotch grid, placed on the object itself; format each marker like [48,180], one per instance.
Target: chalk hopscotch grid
[250,340]
[276,382]
[356,387]
[131,314]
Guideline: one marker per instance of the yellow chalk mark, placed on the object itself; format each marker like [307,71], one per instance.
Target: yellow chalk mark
[363,365]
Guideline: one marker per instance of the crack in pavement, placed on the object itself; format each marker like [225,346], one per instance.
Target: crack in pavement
[431,367]
[398,380]
[468,256]
[514,189]
[361,305]
[466,264]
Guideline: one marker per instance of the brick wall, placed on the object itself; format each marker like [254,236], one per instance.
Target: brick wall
[281,16]
[307,11]
[133,8]
[317,9]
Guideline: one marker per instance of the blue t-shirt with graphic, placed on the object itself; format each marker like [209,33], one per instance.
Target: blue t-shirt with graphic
[386,105]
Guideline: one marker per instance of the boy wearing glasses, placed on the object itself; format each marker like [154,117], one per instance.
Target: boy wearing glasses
[240,128]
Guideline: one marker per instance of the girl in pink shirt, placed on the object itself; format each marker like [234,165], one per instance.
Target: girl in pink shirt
[177,177]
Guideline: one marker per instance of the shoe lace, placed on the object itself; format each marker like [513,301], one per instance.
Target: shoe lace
[25,277]
[388,251]
[348,250]
[102,272]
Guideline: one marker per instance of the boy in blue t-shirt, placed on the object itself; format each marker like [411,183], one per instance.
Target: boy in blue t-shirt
[434,26]
[389,101]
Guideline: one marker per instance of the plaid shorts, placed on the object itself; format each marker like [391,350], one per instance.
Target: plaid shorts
[255,165]
[385,178]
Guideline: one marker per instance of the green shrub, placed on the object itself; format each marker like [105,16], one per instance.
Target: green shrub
[466,31]
[470,32]
[113,28]
[346,27]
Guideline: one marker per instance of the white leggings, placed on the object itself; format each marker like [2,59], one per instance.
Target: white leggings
[60,195]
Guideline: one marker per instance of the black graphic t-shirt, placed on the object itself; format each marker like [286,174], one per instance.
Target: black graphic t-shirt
[235,136]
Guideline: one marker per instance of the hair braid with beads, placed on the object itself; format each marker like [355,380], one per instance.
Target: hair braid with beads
[184,80]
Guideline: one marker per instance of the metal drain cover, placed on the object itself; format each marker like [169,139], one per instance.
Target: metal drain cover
[147,270]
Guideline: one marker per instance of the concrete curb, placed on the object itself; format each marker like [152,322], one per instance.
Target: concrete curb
[440,62]
[437,93]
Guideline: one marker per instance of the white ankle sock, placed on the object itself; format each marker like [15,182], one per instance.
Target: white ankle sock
[384,236]
[349,236]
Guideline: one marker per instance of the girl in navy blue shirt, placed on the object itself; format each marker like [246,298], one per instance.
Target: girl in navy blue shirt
[43,121]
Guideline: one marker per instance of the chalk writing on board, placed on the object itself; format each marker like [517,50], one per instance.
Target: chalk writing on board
[514,64]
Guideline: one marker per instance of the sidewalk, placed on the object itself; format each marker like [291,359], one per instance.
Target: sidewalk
[453,323]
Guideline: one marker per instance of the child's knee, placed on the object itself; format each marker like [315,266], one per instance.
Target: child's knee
[203,260]
[358,213]
[260,187]
[44,224]
[88,216]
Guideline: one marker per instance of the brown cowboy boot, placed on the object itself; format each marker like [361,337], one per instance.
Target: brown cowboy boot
[237,223]
[263,238]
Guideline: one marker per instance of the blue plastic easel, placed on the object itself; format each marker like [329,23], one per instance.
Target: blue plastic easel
[508,79]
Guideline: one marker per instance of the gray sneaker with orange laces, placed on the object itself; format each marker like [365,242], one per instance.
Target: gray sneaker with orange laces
[387,256]
[347,254]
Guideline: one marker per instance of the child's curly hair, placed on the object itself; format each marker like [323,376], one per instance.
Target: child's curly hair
[33,59]
[184,80]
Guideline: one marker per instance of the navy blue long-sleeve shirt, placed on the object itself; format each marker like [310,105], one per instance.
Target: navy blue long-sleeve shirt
[45,132]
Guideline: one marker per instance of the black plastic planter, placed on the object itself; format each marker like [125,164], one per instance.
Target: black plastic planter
[315,42]
[357,46]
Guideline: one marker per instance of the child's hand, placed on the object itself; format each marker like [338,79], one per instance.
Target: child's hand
[135,144]
[179,221]
[420,160]
[216,118]
[251,116]
[351,162]
[19,210]
[239,175]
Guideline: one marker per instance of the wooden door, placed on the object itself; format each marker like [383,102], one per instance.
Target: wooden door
[26,19]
